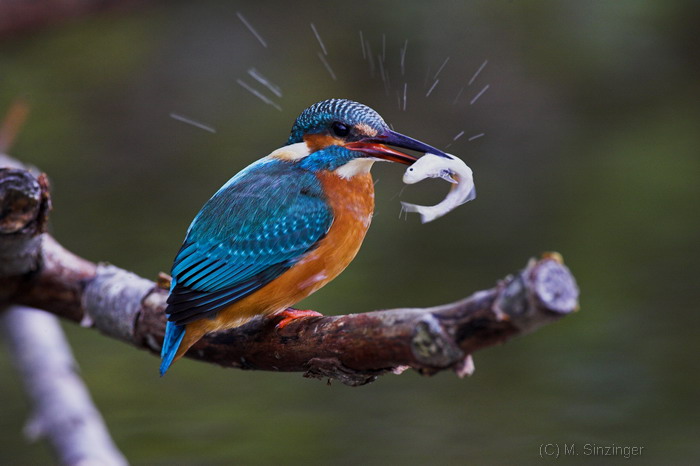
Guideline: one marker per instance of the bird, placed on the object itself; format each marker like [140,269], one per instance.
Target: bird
[283,227]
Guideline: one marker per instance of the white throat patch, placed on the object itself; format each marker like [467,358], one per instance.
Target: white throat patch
[358,166]
[291,152]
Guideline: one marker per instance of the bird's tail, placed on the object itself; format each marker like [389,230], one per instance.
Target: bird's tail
[173,338]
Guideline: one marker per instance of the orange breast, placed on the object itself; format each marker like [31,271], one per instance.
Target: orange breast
[352,201]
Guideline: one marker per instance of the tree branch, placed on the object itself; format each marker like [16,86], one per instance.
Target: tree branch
[63,409]
[353,348]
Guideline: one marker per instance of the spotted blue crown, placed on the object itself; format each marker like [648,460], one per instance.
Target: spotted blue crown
[320,115]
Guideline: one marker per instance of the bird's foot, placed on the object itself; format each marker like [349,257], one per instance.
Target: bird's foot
[291,314]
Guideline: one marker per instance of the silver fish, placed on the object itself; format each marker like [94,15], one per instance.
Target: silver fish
[453,170]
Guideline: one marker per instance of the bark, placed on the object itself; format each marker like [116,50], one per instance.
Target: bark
[63,411]
[353,348]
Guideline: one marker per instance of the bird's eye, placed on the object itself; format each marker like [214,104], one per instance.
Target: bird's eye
[340,130]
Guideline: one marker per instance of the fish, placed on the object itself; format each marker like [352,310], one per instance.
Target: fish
[452,170]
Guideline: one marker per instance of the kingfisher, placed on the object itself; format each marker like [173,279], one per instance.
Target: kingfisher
[283,227]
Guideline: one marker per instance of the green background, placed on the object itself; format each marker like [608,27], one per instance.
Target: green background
[590,148]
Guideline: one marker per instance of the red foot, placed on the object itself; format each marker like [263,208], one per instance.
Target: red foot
[293,314]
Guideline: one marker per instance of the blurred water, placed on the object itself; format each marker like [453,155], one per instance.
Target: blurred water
[590,149]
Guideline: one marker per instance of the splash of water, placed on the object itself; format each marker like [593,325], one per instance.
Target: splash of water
[255,74]
[318,38]
[327,65]
[251,29]
[459,94]
[479,94]
[383,47]
[403,57]
[477,72]
[257,94]
[441,67]
[370,58]
[192,122]
[405,88]
[362,44]
[432,87]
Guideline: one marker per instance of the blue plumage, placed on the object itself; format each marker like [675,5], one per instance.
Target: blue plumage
[171,342]
[267,218]
[245,236]
[250,232]
[330,158]
[319,116]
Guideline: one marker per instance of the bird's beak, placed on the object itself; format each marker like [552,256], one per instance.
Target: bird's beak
[376,146]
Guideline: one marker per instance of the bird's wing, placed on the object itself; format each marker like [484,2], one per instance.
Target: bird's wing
[253,230]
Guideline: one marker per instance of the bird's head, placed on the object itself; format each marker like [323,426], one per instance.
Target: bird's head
[337,132]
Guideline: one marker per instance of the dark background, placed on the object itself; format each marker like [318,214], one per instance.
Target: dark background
[590,148]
